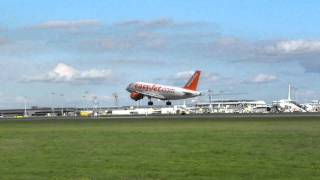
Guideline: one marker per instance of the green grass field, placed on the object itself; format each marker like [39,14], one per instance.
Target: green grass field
[242,148]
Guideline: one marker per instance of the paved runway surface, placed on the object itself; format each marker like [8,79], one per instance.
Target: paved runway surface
[193,116]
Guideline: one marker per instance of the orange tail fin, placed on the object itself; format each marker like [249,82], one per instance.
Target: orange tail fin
[192,84]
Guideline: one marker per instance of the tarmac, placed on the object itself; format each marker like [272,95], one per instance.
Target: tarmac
[191,116]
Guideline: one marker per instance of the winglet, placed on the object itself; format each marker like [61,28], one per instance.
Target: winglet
[192,84]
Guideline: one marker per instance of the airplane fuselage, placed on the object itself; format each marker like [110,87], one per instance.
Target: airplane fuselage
[162,92]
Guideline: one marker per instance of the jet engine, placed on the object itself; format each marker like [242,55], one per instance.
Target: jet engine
[136,96]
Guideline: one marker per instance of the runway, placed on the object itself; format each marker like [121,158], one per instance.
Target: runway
[218,116]
[192,116]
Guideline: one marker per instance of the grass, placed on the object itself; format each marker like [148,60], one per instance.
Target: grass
[243,148]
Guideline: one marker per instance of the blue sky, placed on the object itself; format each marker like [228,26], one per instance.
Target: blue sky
[69,47]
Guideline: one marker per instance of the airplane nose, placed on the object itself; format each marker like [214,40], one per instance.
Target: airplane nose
[129,87]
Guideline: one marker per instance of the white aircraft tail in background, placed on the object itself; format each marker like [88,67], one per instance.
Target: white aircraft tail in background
[288,105]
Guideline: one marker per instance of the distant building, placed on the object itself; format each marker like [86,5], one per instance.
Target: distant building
[233,106]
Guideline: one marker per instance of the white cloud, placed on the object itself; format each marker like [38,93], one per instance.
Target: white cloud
[262,78]
[60,24]
[125,42]
[210,77]
[63,73]
[138,37]
[295,46]
[142,62]
[4,41]
[182,77]
[157,23]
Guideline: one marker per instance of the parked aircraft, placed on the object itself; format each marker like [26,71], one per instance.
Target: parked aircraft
[288,105]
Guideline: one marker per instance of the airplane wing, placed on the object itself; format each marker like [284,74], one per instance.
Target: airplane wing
[153,95]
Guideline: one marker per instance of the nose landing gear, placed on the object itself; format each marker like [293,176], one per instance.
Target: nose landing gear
[168,103]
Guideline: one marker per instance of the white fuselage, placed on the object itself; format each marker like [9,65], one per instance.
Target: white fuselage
[162,92]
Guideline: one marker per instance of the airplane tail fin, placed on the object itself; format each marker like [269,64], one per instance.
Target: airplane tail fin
[192,84]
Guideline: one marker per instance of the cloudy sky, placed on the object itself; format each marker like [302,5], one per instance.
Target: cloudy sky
[67,52]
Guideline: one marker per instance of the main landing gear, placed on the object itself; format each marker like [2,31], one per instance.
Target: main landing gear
[150,103]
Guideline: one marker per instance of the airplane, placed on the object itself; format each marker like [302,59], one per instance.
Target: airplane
[139,90]
[288,105]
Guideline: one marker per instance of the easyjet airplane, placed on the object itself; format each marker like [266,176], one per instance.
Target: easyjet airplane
[139,90]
